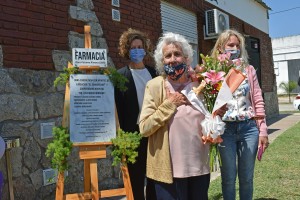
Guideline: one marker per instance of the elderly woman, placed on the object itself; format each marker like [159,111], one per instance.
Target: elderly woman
[177,160]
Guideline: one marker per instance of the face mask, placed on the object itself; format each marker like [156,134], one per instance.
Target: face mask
[137,55]
[234,54]
[175,72]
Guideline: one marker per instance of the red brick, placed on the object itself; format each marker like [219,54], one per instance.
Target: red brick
[26,58]
[25,28]
[37,2]
[49,5]
[39,44]
[14,50]
[12,18]
[40,59]
[12,34]
[9,41]
[10,10]
[37,22]
[27,43]
[36,37]
[39,51]
[10,3]
[11,26]
[61,26]
[11,57]
[38,30]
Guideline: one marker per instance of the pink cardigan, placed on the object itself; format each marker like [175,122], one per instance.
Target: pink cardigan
[257,101]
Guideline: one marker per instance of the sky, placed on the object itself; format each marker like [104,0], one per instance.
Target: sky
[284,18]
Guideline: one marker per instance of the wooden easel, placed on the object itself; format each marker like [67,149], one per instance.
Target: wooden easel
[89,153]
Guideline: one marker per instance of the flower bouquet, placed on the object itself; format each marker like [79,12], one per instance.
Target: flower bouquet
[218,79]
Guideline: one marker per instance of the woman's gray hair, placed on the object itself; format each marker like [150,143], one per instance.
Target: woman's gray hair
[177,40]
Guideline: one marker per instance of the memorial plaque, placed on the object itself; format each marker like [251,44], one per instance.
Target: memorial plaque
[92,109]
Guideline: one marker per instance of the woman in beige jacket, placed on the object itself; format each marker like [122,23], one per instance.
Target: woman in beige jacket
[177,160]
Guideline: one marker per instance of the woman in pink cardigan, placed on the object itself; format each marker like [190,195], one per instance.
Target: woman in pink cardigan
[246,129]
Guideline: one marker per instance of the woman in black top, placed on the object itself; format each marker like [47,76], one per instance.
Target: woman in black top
[135,45]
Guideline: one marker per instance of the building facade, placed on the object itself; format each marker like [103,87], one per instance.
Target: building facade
[36,39]
[286,56]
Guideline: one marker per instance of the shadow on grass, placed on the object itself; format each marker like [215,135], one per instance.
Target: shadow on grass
[277,118]
[266,199]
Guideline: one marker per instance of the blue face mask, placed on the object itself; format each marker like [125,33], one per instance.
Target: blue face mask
[175,72]
[234,54]
[137,55]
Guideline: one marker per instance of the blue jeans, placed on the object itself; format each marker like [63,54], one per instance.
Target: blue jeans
[190,188]
[238,153]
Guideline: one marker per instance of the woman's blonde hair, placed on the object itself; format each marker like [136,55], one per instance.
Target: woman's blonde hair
[126,39]
[223,39]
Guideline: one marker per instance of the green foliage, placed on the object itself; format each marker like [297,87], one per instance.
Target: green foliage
[214,157]
[288,87]
[219,65]
[63,77]
[125,145]
[59,149]
[118,80]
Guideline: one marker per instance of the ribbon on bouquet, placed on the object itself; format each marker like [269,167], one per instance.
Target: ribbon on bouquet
[212,126]
[231,82]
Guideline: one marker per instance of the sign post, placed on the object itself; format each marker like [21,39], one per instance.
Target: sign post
[82,102]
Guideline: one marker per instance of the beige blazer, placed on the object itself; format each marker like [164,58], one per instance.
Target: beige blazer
[155,114]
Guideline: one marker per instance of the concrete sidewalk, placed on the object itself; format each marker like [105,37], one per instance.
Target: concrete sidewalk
[281,123]
[276,126]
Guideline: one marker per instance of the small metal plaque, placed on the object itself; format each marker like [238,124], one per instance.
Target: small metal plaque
[46,130]
[50,176]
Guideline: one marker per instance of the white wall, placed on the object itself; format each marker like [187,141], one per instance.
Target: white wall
[284,49]
[282,75]
[247,10]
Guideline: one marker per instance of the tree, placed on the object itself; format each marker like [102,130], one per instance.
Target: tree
[288,87]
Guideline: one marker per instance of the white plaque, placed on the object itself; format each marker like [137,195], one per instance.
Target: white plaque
[89,57]
[92,108]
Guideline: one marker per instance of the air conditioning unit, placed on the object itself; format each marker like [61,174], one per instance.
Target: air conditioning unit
[215,22]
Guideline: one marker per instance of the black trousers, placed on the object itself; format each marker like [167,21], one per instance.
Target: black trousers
[137,173]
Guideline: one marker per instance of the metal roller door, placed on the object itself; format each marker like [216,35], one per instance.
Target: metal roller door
[178,20]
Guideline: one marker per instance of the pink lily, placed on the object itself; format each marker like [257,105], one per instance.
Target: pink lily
[213,76]
[223,57]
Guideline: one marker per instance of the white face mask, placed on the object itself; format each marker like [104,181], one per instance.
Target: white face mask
[234,53]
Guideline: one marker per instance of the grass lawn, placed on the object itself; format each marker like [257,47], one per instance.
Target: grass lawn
[277,175]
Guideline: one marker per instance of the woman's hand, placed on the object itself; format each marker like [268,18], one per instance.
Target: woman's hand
[177,98]
[263,141]
[221,111]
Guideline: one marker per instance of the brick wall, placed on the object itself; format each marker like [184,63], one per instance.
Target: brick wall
[143,15]
[31,29]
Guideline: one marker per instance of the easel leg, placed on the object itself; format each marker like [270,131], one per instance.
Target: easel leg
[87,176]
[94,179]
[60,186]
[127,183]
